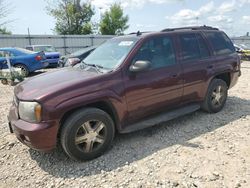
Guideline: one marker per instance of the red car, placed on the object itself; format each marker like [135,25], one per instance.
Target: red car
[126,84]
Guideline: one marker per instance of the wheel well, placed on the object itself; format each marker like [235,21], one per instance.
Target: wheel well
[225,77]
[103,105]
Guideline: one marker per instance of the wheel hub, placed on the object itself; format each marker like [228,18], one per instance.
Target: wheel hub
[217,95]
[90,135]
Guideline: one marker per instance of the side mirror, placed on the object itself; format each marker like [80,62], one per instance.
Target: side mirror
[139,66]
[73,61]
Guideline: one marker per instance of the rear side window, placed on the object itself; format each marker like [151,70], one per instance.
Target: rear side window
[204,52]
[193,47]
[220,43]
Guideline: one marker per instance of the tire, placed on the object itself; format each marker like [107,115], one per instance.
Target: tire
[216,96]
[24,70]
[87,134]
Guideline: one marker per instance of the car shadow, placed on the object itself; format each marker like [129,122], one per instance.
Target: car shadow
[128,148]
[36,73]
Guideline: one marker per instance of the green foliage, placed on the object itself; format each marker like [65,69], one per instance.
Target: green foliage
[4,11]
[72,17]
[113,21]
[5,31]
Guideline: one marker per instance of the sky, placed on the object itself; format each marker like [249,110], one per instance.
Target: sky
[232,16]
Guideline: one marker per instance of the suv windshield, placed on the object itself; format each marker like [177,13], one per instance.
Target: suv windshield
[111,54]
[44,49]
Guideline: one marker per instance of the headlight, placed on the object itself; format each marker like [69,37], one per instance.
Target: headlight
[30,111]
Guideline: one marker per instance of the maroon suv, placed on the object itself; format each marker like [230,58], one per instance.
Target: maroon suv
[126,84]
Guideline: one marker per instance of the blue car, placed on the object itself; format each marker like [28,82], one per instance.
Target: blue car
[27,60]
[50,52]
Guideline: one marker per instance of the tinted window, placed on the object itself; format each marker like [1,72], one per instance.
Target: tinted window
[189,47]
[220,42]
[159,51]
[204,52]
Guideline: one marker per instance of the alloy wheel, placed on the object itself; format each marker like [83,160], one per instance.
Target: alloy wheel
[90,136]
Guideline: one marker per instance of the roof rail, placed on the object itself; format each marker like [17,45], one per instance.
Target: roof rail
[190,28]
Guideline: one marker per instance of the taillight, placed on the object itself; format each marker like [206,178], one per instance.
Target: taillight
[38,58]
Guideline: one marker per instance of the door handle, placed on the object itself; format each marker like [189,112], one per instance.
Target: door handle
[210,66]
[174,75]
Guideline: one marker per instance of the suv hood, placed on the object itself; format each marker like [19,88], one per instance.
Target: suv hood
[48,83]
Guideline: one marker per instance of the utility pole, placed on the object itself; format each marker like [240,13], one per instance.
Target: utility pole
[29,36]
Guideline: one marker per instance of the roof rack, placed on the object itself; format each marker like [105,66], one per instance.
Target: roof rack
[190,28]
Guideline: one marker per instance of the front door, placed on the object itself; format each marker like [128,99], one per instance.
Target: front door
[158,88]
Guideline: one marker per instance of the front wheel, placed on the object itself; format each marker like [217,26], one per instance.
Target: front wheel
[87,134]
[216,96]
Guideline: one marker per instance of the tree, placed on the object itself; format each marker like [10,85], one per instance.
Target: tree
[3,30]
[113,22]
[4,11]
[72,17]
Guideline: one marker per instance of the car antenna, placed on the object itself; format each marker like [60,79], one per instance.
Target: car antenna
[138,33]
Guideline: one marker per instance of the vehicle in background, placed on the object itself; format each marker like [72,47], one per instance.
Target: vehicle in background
[28,61]
[126,84]
[51,53]
[76,57]
[243,51]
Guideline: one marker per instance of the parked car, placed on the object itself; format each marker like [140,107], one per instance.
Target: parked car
[76,57]
[128,83]
[27,60]
[243,51]
[51,53]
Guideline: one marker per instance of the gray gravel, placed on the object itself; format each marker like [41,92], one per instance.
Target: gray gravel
[197,150]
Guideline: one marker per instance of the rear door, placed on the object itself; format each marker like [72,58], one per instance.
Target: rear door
[196,65]
[224,51]
[158,88]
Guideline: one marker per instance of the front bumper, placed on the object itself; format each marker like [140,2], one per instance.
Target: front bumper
[39,136]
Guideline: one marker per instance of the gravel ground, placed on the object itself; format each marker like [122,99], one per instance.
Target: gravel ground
[197,150]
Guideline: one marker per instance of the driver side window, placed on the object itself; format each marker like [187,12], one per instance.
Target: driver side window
[159,51]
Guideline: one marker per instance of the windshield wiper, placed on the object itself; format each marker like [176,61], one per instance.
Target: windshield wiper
[97,67]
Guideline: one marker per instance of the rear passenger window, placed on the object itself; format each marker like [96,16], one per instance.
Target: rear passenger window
[220,42]
[189,47]
[204,52]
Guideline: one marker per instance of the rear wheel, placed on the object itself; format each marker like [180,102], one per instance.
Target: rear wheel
[87,134]
[216,96]
[24,70]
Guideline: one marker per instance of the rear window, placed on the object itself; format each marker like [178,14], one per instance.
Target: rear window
[220,43]
[24,51]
